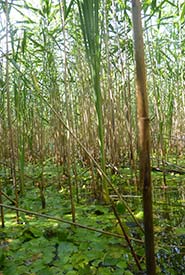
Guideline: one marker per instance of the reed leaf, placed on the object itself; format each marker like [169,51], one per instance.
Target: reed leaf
[89,19]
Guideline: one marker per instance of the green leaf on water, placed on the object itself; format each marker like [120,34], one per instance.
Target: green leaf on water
[120,207]
[72,272]
[139,215]
[122,264]
[66,248]
[180,231]
[104,271]
[45,271]
[10,269]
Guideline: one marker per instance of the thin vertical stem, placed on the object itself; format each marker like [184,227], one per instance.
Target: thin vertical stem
[1,208]
[7,87]
[144,137]
[62,14]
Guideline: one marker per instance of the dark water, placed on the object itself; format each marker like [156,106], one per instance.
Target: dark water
[169,220]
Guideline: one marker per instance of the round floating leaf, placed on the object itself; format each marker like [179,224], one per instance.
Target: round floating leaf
[122,264]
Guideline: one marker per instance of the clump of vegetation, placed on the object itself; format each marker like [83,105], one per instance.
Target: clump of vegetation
[75,163]
[41,244]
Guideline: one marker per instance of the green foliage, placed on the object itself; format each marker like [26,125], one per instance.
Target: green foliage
[99,58]
[120,206]
[182,16]
[42,247]
[89,19]
[139,215]
[2,258]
